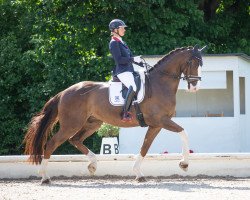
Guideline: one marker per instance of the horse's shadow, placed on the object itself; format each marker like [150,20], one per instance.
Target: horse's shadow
[181,186]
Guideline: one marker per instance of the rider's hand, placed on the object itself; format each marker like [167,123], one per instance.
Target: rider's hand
[137,59]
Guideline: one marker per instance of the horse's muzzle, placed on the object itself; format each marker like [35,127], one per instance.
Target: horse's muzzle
[193,86]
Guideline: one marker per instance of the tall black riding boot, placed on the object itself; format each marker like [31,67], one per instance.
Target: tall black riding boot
[126,115]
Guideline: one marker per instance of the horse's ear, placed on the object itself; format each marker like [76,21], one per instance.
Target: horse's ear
[196,47]
[203,48]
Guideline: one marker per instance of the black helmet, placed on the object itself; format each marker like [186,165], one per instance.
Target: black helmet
[116,23]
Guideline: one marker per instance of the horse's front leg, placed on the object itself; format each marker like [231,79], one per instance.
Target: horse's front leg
[168,124]
[149,138]
[185,151]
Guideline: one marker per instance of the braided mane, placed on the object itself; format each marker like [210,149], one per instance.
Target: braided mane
[170,54]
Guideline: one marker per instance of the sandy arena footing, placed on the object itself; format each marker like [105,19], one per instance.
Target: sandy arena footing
[111,188]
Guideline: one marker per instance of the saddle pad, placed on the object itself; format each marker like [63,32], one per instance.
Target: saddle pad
[115,94]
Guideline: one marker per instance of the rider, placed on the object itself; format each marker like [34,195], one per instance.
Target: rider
[123,60]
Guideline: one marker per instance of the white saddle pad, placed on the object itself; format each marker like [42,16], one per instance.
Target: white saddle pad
[115,92]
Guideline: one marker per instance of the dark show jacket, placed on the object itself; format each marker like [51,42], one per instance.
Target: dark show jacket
[121,55]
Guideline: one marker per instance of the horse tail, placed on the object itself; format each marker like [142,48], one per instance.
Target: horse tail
[39,128]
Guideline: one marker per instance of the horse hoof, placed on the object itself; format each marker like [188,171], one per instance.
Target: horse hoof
[183,166]
[45,181]
[92,168]
[141,179]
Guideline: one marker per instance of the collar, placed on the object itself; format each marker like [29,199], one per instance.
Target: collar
[120,40]
[117,39]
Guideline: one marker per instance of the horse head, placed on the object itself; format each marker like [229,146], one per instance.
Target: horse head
[185,60]
[192,69]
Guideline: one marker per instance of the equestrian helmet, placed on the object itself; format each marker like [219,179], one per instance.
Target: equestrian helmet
[116,23]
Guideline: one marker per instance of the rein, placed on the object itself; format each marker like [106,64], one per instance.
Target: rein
[173,76]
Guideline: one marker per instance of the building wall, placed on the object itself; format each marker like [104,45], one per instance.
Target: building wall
[244,125]
[206,135]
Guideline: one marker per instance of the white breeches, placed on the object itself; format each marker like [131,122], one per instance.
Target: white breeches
[127,79]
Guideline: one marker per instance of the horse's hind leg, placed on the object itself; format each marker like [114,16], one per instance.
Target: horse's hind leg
[60,137]
[87,130]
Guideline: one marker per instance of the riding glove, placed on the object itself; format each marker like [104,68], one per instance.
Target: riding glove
[137,59]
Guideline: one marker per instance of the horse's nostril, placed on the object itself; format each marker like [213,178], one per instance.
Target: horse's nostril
[194,84]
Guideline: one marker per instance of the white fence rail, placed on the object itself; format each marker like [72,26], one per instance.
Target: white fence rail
[229,164]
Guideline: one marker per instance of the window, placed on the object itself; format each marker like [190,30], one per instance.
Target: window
[242,96]
[217,102]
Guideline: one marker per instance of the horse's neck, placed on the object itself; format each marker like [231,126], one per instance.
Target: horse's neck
[173,65]
[164,84]
[166,75]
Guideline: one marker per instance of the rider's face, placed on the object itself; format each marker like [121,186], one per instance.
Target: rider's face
[121,31]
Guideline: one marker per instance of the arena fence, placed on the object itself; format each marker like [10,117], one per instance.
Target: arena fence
[212,164]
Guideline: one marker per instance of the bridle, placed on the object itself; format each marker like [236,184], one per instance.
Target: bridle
[189,78]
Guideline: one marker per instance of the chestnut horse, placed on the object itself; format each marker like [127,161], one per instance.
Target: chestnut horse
[82,108]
